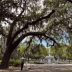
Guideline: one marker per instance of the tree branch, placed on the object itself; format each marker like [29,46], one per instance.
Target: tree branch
[70,1]
[33,23]
[11,28]
[29,43]
[29,34]
[50,38]
[48,16]
[8,22]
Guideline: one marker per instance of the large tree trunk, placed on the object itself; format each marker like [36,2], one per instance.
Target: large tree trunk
[6,57]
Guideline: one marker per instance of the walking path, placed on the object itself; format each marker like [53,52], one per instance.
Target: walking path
[41,68]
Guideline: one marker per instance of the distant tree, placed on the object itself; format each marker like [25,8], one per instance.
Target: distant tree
[61,51]
[34,51]
[69,52]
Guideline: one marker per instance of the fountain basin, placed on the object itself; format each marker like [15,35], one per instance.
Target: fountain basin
[49,58]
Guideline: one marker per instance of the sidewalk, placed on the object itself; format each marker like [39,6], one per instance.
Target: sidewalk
[49,65]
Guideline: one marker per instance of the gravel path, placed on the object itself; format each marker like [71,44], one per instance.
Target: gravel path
[42,68]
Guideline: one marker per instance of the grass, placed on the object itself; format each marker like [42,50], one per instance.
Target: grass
[38,62]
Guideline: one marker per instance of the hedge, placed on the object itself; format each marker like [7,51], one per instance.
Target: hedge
[17,63]
[13,62]
[38,62]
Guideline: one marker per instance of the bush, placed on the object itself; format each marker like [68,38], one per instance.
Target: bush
[63,63]
[14,62]
[38,62]
[31,62]
[11,62]
[17,63]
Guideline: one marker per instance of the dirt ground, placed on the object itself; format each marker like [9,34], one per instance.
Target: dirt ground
[40,68]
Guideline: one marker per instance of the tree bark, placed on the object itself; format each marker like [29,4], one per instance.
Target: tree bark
[5,60]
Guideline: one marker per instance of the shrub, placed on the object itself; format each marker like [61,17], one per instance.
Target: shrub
[14,62]
[31,62]
[38,62]
[17,63]
[11,62]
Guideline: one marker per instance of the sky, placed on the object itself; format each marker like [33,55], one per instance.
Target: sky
[45,43]
[38,42]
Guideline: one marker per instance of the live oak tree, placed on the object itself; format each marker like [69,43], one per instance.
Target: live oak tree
[22,18]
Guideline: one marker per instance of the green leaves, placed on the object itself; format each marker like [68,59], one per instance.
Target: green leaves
[21,49]
[69,51]
[34,51]
[61,51]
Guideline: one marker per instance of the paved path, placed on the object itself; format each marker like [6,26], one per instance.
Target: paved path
[42,68]
[49,64]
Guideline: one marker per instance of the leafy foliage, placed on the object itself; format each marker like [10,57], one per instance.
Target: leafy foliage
[22,18]
[34,51]
[69,52]
[61,51]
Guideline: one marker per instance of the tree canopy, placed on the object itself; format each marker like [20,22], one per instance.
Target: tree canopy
[22,18]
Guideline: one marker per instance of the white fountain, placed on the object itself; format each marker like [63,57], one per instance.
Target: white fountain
[49,58]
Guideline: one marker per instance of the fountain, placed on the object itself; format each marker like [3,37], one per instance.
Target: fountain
[49,58]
